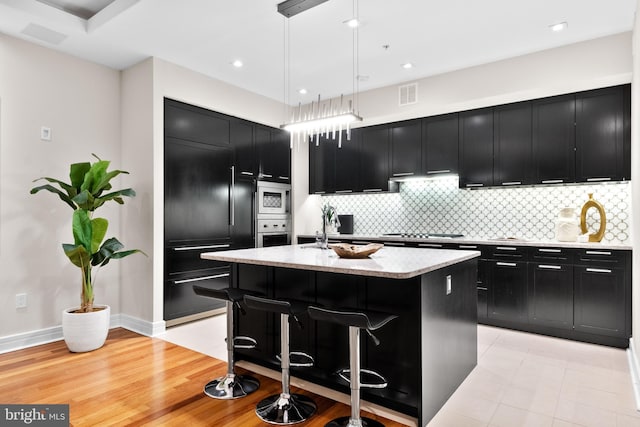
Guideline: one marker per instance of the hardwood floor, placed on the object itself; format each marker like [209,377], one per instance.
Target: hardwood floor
[137,381]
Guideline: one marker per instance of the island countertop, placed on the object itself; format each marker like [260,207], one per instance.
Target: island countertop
[389,262]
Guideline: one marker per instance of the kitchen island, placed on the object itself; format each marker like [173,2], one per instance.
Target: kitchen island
[424,354]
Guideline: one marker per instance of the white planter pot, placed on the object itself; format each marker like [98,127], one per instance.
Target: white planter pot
[85,331]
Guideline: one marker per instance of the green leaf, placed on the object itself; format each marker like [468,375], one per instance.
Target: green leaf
[77,173]
[99,230]
[82,229]
[64,197]
[77,254]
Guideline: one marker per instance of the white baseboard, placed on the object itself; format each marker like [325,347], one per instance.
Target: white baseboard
[634,368]
[44,336]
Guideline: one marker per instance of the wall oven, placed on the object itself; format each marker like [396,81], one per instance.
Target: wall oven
[273,214]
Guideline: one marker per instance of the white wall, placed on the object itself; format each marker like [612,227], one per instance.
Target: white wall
[80,102]
[635,182]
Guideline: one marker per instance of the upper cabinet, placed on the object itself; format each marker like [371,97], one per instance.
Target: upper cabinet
[512,144]
[406,148]
[374,152]
[602,134]
[553,135]
[274,154]
[440,144]
[244,149]
[322,166]
[476,148]
[191,123]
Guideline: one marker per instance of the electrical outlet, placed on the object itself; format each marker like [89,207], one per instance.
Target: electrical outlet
[448,284]
[21,300]
[45,133]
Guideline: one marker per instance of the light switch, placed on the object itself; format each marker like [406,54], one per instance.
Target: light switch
[45,133]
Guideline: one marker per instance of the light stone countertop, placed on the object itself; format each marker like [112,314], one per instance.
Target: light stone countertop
[389,262]
[483,241]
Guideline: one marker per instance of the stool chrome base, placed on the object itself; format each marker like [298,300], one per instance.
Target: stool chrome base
[284,409]
[231,386]
[349,422]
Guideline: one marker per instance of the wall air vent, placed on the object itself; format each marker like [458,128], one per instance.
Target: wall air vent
[408,94]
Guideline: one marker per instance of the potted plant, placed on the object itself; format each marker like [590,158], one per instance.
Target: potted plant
[86,328]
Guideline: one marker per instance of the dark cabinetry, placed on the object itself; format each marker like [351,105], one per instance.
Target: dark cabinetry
[322,166]
[476,148]
[602,134]
[512,144]
[274,154]
[348,164]
[242,140]
[374,152]
[440,144]
[554,140]
[406,148]
[507,283]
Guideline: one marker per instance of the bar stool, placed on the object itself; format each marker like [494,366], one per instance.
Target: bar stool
[355,320]
[230,386]
[286,407]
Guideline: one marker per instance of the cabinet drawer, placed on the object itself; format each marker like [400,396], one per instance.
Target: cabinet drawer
[601,256]
[554,255]
[179,298]
[508,252]
[187,258]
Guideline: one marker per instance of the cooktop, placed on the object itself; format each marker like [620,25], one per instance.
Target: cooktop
[426,235]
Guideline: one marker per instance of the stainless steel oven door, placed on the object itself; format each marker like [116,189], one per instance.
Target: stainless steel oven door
[273,239]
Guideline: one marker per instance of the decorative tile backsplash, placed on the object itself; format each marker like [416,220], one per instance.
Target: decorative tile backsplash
[439,206]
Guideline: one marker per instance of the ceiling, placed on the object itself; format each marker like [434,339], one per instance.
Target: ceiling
[208,35]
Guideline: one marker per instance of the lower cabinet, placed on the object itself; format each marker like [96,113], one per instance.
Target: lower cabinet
[551,295]
[508,291]
[600,301]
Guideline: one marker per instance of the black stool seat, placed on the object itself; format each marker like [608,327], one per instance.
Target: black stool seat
[284,408]
[368,320]
[230,386]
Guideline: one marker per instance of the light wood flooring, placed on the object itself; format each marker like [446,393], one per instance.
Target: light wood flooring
[137,381]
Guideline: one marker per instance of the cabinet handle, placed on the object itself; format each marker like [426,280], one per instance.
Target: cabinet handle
[370,190]
[403,174]
[552,181]
[266,175]
[550,267]
[393,244]
[429,245]
[232,219]
[598,270]
[438,171]
[598,253]
[553,251]
[506,248]
[246,173]
[359,242]
[282,177]
[195,248]
[482,288]
[468,247]
[598,179]
[344,191]
[512,183]
[473,185]
[319,192]
[507,264]
[200,279]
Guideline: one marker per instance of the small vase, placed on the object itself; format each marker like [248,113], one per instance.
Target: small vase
[567,225]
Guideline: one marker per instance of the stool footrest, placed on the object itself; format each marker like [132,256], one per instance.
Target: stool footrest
[298,359]
[242,341]
[380,381]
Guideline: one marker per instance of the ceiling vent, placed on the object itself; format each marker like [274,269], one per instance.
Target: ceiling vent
[408,94]
[44,34]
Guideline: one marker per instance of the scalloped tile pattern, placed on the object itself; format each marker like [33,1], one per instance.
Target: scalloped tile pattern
[439,206]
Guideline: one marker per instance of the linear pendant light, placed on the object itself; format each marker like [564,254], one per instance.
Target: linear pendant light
[321,119]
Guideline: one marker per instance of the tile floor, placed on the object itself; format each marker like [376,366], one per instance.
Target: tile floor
[522,380]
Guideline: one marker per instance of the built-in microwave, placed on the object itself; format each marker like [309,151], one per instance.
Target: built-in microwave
[273,198]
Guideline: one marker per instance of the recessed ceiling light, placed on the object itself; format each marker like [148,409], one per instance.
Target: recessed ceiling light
[352,23]
[407,65]
[237,63]
[560,26]
[302,91]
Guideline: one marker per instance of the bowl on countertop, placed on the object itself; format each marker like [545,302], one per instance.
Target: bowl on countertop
[348,250]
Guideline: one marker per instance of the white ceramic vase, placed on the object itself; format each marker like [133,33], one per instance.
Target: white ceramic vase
[85,331]
[567,225]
